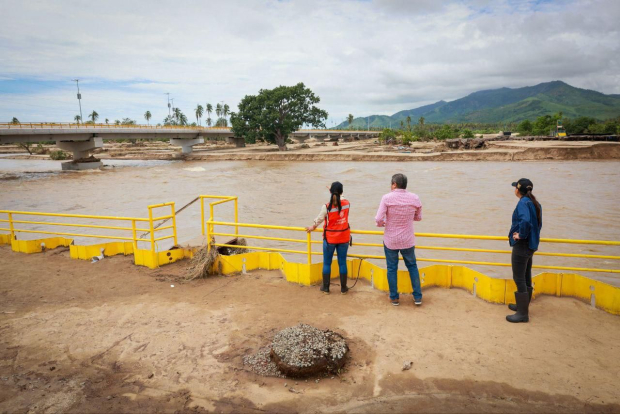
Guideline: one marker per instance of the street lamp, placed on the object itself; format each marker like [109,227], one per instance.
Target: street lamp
[79,96]
[168,93]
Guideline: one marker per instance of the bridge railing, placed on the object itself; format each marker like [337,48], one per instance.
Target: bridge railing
[72,125]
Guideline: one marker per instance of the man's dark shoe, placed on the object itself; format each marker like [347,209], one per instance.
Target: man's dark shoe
[513,306]
[395,302]
[522,314]
[417,302]
[326,291]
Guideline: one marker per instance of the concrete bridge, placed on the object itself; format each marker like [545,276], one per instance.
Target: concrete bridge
[81,139]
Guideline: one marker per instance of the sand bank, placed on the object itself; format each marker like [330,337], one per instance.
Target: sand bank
[112,337]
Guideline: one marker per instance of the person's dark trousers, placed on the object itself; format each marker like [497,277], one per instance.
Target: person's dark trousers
[522,275]
[522,265]
[391,258]
[341,250]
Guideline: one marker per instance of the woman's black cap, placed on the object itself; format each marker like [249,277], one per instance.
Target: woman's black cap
[523,185]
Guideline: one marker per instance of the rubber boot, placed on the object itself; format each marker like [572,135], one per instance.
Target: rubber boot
[523,304]
[343,284]
[513,306]
[325,285]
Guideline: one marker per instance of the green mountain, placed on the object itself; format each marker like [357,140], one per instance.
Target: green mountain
[506,105]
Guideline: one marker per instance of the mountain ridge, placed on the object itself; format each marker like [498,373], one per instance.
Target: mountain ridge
[504,105]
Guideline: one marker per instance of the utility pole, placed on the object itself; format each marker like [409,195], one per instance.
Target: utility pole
[168,93]
[79,96]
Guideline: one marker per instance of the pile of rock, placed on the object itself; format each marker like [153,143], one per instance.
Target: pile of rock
[304,350]
[462,143]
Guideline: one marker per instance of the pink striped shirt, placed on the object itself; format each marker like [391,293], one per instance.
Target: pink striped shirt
[397,212]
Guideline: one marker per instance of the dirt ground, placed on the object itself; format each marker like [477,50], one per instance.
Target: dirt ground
[89,337]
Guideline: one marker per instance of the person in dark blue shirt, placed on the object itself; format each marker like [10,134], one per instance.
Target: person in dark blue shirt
[524,237]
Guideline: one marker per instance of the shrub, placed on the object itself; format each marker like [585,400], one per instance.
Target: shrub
[446,132]
[387,136]
[59,155]
[467,133]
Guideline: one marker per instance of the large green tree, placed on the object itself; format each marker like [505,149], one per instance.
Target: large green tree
[273,114]
[350,120]
[147,116]
[93,116]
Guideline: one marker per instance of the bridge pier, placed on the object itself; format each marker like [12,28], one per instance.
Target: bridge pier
[186,144]
[80,150]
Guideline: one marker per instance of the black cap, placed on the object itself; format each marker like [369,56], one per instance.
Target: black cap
[523,185]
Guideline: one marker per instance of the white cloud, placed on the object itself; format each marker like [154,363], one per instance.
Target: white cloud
[362,57]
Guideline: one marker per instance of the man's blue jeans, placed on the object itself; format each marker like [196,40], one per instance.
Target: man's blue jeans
[391,257]
[341,250]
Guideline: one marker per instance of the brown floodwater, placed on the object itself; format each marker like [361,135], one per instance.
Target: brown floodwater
[580,199]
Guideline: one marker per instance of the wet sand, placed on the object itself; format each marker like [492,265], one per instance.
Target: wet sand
[111,337]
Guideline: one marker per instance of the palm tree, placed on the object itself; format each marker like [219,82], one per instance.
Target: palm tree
[15,121]
[208,121]
[93,116]
[199,112]
[350,119]
[402,125]
[409,122]
[147,116]
[77,118]
[107,121]
[182,118]
[225,111]
[209,110]
[176,112]
[421,120]
[218,110]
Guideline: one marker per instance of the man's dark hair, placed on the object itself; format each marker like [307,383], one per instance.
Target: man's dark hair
[400,180]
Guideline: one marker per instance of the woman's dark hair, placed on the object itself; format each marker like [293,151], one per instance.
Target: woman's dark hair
[336,191]
[528,194]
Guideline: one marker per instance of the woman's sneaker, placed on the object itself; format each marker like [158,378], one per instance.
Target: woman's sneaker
[417,302]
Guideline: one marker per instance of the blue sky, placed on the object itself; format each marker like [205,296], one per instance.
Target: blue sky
[360,57]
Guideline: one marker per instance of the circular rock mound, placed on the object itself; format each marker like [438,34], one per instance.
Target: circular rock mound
[304,350]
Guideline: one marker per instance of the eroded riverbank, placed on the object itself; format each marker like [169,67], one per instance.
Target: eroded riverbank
[517,150]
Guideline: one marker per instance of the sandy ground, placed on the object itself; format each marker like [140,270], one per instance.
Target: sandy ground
[366,150]
[112,337]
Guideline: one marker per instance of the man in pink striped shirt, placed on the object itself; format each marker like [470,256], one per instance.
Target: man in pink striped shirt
[397,212]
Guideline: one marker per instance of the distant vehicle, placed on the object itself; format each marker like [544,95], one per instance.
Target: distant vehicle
[559,130]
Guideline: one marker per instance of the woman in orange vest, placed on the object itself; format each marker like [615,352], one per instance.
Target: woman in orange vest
[336,235]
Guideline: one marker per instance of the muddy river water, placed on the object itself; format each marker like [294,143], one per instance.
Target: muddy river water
[580,199]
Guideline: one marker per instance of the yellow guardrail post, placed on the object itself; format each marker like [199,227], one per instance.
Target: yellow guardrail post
[11,228]
[202,214]
[174,224]
[135,241]
[309,248]
[236,215]
[152,231]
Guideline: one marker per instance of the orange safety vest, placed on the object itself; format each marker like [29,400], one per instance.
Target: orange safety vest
[336,229]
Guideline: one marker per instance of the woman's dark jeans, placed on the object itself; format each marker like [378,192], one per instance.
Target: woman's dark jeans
[328,255]
[522,265]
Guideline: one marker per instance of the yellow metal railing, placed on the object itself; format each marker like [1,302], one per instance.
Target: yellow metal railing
[151,220]
[309,253]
